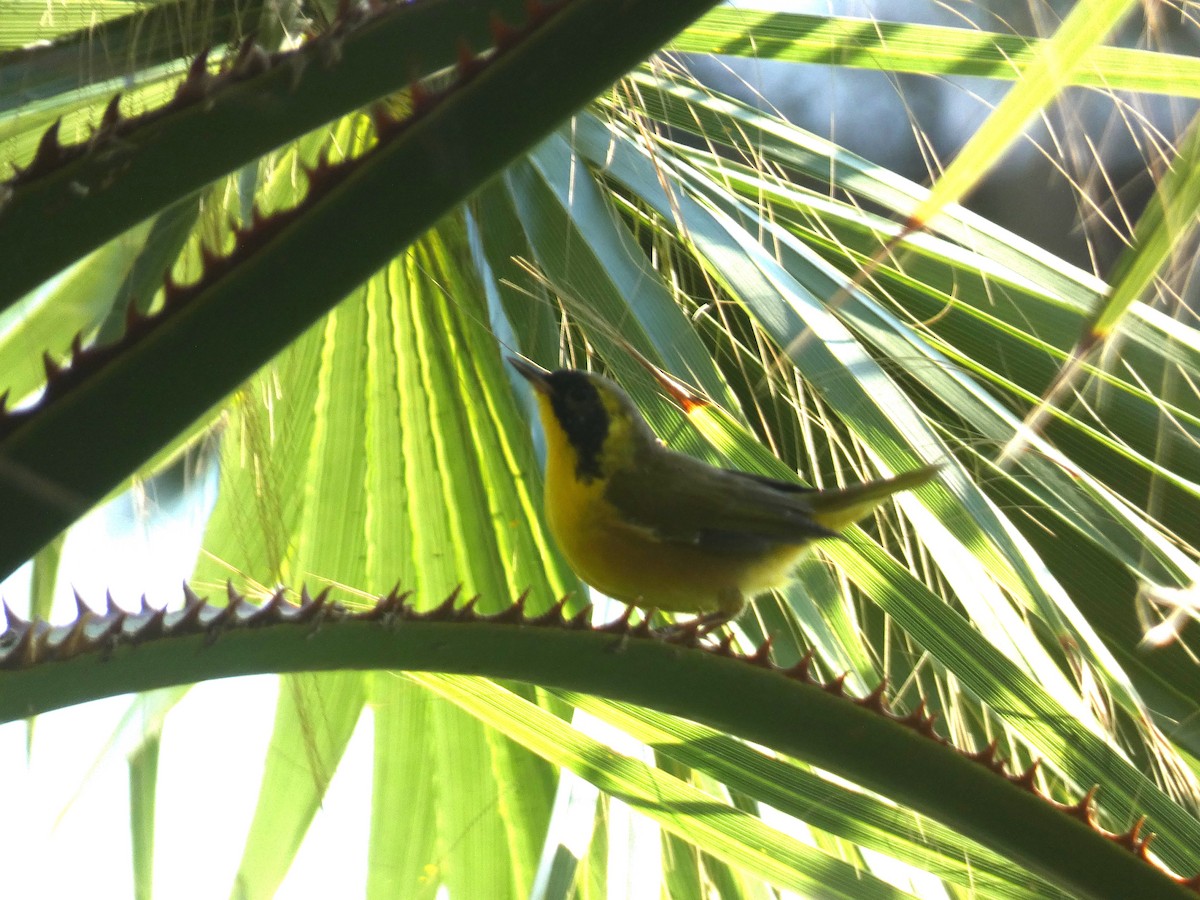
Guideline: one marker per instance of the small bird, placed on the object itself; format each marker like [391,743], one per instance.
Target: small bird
[658,529]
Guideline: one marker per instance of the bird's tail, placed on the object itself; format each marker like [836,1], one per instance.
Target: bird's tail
[837,508]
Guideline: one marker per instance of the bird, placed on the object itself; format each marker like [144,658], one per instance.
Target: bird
[658,529]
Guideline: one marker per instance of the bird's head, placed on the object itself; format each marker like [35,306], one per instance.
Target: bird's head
[589,414]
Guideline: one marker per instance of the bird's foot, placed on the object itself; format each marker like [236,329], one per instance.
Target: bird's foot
[696,629]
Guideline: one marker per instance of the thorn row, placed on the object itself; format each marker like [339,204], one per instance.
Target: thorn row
[1135,840]
[25,643]
[81,363]
[199,85]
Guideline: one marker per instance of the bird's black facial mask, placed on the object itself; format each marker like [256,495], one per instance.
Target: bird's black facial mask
[583,417]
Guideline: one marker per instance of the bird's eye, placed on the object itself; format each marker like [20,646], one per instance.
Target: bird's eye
[575,395]
[576,400]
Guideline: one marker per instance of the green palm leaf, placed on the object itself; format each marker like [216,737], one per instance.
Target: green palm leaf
[350,371]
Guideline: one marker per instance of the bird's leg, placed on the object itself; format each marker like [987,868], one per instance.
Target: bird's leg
[707,623]
[730,603]
[698,628]
[675,630]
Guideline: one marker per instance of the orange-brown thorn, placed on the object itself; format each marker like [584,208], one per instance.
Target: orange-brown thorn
[48,147]
[725,647]
[382,119]
[419,94]
[642,628]
[445,609]
[762,655]
[685,634]
[112,115]
[193,87]
[1143,849]
[311,609]
[153,626]
[1028,778]
[926,725]
[802,670]
[921,721]
[1131,840]
[208,256]
[512,614]
[171,290]
[1084,808]
[53,369]
[619,625]
[918,714]
[274,603]
[319,169]
[190,615]
[876,701]
[468,63]
[987,757]
[386,606]
[502,33]
[581,619]
[82,610]
[132,315]
[552,616]
[837,687]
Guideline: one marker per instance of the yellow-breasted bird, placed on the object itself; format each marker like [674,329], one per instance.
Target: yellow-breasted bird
[659,529]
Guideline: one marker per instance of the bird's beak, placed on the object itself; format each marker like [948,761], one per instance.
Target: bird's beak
[532,372]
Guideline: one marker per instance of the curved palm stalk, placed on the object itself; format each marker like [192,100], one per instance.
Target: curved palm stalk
[859,739]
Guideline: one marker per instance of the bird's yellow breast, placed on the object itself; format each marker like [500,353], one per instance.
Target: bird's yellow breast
[630,563]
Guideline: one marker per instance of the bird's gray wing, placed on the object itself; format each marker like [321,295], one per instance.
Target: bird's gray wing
[678,499]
